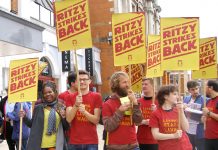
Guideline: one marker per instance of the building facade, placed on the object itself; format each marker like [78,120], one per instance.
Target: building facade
[28,31]
[101,15]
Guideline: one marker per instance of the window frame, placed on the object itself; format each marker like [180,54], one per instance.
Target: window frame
[51,19]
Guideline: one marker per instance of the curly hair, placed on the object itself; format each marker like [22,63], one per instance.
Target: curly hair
[51,85]
[115,80]
[164,91]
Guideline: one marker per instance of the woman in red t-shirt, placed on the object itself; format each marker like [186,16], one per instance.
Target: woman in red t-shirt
[164,121]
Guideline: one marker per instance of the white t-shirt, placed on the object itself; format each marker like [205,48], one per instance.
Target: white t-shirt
[193,123]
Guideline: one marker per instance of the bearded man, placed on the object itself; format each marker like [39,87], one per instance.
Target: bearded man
[120,126]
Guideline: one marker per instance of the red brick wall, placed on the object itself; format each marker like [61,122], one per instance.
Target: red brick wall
[100,16]
[14,6]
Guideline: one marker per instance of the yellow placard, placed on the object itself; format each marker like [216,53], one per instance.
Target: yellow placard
[180,43]
[208,59]
[137,72]
[23,80]
[73,25]
[124,100]
[128,38]
[153,57]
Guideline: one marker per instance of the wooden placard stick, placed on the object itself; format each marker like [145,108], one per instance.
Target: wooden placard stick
[21,129]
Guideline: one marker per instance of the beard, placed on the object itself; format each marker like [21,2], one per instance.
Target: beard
[196,94]
[122,92]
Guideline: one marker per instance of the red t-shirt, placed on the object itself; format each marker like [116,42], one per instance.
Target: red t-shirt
[125,133]
[144,134]
[211,131]
[63,95]
[82,130]
[167,122]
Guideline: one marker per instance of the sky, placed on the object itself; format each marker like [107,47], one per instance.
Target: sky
[206,10]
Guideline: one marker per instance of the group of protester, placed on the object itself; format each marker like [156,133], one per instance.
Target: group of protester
[68,121]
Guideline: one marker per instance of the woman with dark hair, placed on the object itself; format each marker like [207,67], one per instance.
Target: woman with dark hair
[48,121]
[164,121]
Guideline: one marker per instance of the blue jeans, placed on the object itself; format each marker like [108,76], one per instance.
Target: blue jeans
[82,146]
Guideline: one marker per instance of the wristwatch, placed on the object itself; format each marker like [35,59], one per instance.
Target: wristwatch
[208,113]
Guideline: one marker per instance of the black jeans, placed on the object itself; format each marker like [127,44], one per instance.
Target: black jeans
[11,143]
[211,144]
[196,142]
[148,146]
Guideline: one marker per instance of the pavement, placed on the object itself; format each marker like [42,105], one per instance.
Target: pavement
[4,146]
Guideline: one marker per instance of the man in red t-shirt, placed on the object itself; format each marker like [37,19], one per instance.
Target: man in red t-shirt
[210,115]
[144,135]
[71,89]
[71,86]
[83,112]
[120,126]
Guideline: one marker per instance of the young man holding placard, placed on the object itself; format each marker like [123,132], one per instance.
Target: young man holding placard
[83,113]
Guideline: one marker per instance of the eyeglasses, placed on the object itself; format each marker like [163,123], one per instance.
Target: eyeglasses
[83,80]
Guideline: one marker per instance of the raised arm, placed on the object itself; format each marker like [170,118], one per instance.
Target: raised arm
[73,106]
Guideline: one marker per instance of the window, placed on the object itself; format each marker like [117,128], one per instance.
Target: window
[174,79]
[134,7]
[42,13]
[45,15]
[52,19]
[35,11]
[137,6]
[124,6]
[80,61]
